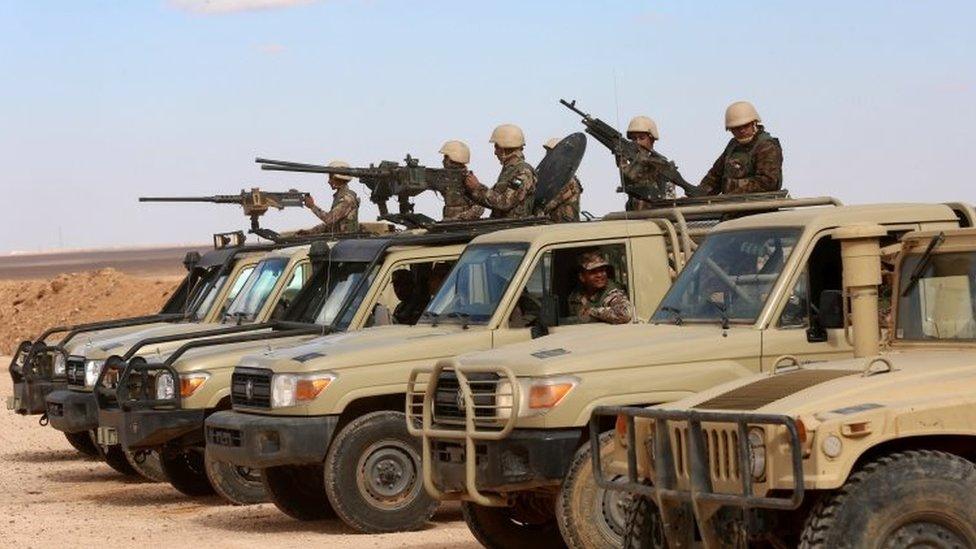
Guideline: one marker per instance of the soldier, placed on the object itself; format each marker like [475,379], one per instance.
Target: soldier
[512,195]
[565,206]
[457,205]
[343,217]
[599,299]
[752,162]
[643,173]
[412,302]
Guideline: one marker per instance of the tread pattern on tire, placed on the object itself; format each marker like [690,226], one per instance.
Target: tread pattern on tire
[301,500]
[83,443]
[823,517]
[635,533]
[182,477]
[564,506]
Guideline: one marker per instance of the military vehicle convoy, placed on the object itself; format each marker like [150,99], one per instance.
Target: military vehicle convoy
[873,451]
[351,288]
[502,429]
[270,283]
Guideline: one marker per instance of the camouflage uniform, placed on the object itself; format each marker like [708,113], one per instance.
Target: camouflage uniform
[753,167]
[512,195]
[459,207]
[565,206]
[610,305]
[644,175]
[343,217]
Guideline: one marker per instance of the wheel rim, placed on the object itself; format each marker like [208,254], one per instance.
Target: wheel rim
[387,474]
[248,475]
[936,531]
[612,516]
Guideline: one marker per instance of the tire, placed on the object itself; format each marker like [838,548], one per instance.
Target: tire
[238,485]
[186,471]
[513,527]
[83,443]
[912,498]
[146,463]
[115,457]
[373,475]
[589,516]
[644,528]
[298,491]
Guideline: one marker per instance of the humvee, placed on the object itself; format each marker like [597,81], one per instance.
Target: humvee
[874,451]
[345,450]
[350,289]
[502,429]
[269,283]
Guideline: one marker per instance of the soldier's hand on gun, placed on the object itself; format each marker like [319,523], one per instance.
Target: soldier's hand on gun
[309,201]
[471,181]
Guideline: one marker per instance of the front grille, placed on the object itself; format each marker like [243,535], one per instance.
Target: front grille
[251,387]
[721,445]
[75,371]
[448,402]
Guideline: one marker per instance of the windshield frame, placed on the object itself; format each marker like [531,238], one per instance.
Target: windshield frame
[426,319]
[783,277]
[906,263]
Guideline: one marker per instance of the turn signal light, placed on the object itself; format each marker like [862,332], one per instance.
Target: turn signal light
[307,389]
[547,396]
[621,426]
[189,385]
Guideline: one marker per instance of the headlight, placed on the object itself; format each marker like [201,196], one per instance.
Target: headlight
[60,365]
[757,453]
[189,383]
[93,368]
[536,396]
[293,389]
[165,386]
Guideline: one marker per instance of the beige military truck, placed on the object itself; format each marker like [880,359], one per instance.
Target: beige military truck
[270,284]
[352,287]
[501,430]
[324,421]
[874,451]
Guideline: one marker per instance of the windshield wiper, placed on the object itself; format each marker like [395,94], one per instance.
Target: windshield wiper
[465,318]
[923,263]
[676,312]
[721,311]
[432,316]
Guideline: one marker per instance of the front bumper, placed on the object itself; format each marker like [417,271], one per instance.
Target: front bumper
[30,397]
[141,429]
[696,470]
[72,411]
[257,441]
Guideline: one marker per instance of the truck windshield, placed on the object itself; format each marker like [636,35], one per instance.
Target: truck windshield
[256,290]
[941,304]
[472,291]
[342,279]
[729,277]
[206,298]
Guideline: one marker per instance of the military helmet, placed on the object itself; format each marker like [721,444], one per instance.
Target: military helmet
[508,136]
[340,164]
[551,144]
[456,151]
[592,260]
[643,124]
[740,113]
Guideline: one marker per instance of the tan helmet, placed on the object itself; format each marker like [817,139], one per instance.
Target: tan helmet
[740,113]
[643,124]
[508,136]
[551,144]
[340,164]
[456,151]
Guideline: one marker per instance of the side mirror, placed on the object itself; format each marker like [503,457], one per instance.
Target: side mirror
[548,316]
[828,314]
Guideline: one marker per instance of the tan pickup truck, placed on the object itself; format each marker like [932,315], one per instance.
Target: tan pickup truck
[502,429]
[874,451]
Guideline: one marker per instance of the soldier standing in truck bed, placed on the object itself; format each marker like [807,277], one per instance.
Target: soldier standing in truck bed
[458,206]
[343,216]
[512,195]
[565,206]
[643,173]
[752,162]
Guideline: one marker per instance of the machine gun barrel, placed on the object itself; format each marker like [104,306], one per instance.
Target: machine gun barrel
[218,199]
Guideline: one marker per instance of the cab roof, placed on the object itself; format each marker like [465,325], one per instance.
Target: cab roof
[563,232]
[835,216]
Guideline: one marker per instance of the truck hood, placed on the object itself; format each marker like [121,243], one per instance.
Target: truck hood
[101,348]
[840,387]
[595,347]
[379,345]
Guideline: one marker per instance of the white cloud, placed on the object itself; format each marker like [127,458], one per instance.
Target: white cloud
[233,6]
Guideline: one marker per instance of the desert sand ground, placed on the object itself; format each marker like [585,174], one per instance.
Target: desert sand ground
[52,496]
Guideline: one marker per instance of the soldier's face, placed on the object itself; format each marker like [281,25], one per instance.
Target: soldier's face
[744,132]
[594,279]
[500,153]
[643,139]
[335,182]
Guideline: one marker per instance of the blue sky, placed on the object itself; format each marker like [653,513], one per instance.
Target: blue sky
[104,101]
